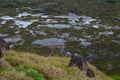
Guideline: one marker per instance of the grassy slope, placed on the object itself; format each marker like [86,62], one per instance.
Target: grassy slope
[53,68]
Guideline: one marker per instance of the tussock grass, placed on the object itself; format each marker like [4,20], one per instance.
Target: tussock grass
[53,68]
[14,75]
[3,63]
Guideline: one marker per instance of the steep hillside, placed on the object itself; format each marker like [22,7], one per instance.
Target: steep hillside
[26,66]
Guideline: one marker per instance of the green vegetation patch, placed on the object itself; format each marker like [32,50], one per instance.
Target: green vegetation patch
[116,77]
[28,72]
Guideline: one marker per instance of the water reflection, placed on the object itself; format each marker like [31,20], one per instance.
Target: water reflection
[23,24]
[85,43]
[50,42]
[14,39]
[59,26]
[3,35]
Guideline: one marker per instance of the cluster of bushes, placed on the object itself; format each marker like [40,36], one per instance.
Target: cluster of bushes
[95,8]
[113,1]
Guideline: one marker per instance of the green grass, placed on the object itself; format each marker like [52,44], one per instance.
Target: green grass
[27,71]
[116,77]
[52,68]
[30,72]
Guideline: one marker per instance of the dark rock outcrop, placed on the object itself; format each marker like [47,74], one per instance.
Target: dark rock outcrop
[80,62]
[90,73]
[3,46]
[1,55]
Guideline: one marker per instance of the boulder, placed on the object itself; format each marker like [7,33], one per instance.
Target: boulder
[80,62]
